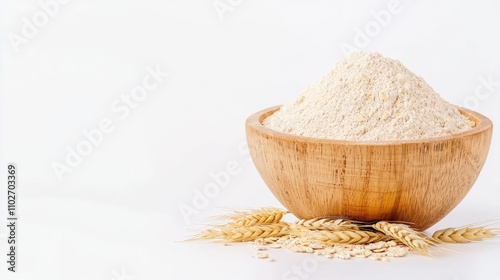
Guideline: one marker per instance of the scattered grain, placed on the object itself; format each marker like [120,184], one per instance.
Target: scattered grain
[262,255]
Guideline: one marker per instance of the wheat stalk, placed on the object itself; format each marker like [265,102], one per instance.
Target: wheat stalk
[319,233]
[325,224]
[243,234]
[264,216]
[464,235]
[341,237]
[406,235]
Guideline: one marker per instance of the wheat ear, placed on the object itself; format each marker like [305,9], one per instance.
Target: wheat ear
[264,216]
[341,237]
[464,235]
[244,234]
[406,235]
[326,224]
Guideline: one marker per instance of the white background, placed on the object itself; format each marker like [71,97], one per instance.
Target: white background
[117,212]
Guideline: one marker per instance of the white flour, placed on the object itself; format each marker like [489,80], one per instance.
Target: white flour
[369,97]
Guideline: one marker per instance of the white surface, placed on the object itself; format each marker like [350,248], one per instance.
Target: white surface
[118,211]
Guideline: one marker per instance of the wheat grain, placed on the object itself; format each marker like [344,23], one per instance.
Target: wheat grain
[406,235]
[244,234]
[326,224]
[341,237]
[262,255]
[464,235]
[305,245]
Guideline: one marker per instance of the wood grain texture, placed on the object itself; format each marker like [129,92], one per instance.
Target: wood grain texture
[416,181]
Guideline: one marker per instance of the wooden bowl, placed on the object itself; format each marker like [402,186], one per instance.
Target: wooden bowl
[416,181]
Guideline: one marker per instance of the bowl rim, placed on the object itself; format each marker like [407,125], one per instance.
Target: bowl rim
[482,124]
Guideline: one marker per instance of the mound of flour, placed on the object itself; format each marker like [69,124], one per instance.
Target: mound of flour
[369,97]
